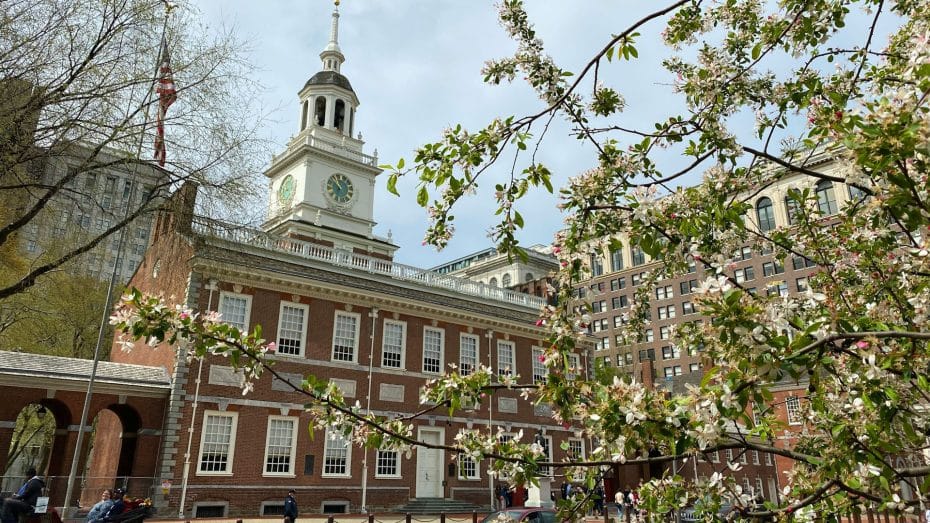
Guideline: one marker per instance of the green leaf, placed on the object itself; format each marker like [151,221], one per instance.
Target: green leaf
[757,51]
[400,164]
[422,197]
[392,184]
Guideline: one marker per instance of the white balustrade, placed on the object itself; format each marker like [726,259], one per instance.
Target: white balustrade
[312,251]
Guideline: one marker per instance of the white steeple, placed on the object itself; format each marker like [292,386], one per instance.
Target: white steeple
[332,56]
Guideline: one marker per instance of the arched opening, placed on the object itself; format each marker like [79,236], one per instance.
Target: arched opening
[319,111]
[791,206]
[111,454]
[303,115]
[826,198]
[351,121]
[765,214]
[505,280]
[339,117]
[30,446]
[529,277]
[493,282]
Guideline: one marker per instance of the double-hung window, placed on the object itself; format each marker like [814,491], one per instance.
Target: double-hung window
[292,328]
[433,340]
[468,354]
[505,358]
[540,371]
[235,309]
[387,464]
[345,336]
[279,445]
[393,341]
[217,442]
[336,455]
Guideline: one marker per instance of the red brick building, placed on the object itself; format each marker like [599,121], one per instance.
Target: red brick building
[325,288]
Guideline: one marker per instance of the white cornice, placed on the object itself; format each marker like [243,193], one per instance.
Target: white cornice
[285,283]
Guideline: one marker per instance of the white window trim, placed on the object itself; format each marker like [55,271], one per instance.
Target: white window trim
[248,307]
[358,323]
[583,454]
[548,455]
[462,477]
[511,346]
[326,443]
[788,415]
[303,328]
[292,458]
[397,475]
[442,349]
[403,343]
[536,353]
[232,443]
[477,340]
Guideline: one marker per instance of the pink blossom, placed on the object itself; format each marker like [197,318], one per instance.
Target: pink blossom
[539,322]
[862,344]
[271,347]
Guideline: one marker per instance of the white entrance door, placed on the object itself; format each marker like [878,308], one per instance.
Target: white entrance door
[429,463]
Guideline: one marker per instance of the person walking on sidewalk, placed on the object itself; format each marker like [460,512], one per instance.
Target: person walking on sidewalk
[290,507]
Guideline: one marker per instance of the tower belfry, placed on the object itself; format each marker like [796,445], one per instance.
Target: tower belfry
[322,185]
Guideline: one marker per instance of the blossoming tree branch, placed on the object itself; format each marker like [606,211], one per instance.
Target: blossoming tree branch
[766,90]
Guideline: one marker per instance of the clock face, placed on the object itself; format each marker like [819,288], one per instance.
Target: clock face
[286,190]
[339,188]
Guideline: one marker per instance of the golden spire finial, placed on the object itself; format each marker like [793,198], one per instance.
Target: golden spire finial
[336,2]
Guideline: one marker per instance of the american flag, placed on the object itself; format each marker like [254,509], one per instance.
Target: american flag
[166,96]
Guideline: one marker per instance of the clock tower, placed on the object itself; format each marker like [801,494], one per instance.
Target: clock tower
[323,184]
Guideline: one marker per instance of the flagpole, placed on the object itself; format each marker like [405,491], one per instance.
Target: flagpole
[105,315]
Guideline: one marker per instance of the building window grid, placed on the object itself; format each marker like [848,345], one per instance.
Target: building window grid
[291,334]
[616,260]
[387,464]
[468,468]
[432,350]
[468,354]
[392,344]
[671,352]
[279,449]
[234,309]
[540,371]
[766,215]
[576,449]
[335,454]
[745,274]
[772,268]
[505,358]
[217,442]
[345,336]
[793,408]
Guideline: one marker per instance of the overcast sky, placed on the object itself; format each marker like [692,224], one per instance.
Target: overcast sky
[415,66]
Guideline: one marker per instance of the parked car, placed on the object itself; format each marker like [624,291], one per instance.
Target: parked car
[521,514]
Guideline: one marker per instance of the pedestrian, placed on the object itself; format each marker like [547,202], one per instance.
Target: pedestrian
[290,507]
[118,506]
[24,501]
[101,508]
[599,500]
[618,501]
[627,503]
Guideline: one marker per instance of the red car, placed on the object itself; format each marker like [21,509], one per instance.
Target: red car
[521,514]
